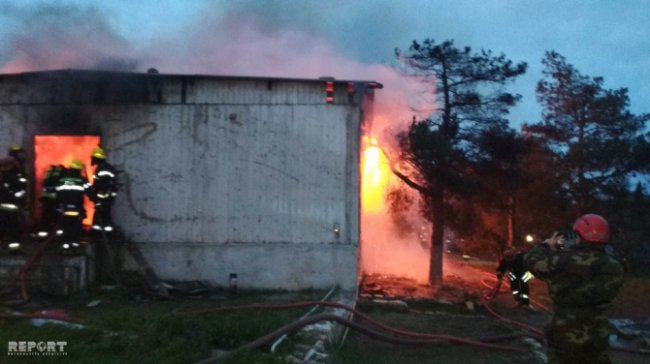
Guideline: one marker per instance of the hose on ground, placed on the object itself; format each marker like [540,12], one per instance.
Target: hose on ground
[324,299]
[356,312]
[296,325]
[483,342]
[495,289]
[537,332]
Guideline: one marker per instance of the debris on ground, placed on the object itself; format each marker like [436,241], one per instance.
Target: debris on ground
[93,303]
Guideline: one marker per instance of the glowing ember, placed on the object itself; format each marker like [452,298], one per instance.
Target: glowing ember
[50,150]
[375,177]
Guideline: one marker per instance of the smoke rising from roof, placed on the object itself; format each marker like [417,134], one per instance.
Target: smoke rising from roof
[57,36]
[235,42]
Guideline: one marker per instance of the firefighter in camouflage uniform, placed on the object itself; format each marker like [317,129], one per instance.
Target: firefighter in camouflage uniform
[583,281]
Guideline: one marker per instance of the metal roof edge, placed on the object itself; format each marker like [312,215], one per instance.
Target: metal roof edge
[371,84]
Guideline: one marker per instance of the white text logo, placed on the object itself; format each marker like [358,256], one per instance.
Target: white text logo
[37,348]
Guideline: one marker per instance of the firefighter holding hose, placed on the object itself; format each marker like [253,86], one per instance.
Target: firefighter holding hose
[583,280]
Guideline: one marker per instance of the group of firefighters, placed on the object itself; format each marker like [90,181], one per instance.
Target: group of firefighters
[62,200]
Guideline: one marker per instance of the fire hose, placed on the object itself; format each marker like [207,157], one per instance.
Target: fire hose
[487,283]
[296,325]
[307,314]
[25,269]
[486,303]
[407,337]
[494,290]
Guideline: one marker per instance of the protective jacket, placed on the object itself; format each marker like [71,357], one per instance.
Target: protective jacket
[518,276]
[583,281]
[104,182]
[51,181]
[70,191]
[13,196]
[13,187]
[104,191]
[48,200]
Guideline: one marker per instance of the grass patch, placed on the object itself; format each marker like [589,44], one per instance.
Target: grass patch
[124,330]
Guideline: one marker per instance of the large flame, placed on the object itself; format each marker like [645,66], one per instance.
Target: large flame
[375,177]
[383,250]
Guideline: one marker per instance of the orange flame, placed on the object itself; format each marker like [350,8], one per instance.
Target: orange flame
[383,251]
[375,176]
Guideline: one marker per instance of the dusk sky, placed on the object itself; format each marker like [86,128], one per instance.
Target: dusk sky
[341,38]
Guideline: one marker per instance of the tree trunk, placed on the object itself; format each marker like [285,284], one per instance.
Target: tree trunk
[582,183]
[437,246]
[511,218]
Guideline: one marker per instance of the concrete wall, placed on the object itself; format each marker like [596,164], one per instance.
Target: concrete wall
[258,177]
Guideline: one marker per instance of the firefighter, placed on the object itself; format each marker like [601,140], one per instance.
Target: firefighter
[70,193]
[13,197]
[104,191]
[583,280]
[513,263]
[49,214]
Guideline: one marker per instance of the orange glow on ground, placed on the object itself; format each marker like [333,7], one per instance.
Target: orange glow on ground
[375,177]
[57,149]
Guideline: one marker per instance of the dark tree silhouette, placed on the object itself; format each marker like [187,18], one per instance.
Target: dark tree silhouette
[502,173]
[589,128]
[437,153]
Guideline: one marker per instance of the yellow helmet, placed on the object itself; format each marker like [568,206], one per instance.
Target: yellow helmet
[99,153]
[76,164]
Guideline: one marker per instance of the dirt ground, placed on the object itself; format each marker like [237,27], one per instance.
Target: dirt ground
[449,315]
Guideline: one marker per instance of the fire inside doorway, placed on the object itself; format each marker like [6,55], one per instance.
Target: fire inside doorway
[61,150]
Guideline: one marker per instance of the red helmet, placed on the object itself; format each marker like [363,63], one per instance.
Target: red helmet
[592,228]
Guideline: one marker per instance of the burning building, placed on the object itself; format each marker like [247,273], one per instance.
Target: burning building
[257,177]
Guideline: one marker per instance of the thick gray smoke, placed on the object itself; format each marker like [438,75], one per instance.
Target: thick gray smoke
[58,36]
